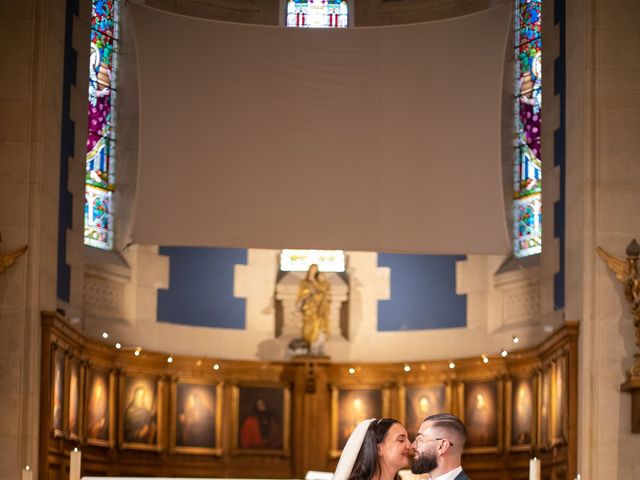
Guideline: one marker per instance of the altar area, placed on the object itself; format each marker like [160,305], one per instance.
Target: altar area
[135,413]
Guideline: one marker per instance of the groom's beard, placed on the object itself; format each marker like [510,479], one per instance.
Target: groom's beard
[425,463]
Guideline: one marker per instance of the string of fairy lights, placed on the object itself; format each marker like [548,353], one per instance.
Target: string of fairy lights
[137,351]
[406,367]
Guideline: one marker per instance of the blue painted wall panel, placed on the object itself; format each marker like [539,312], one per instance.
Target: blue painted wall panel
[201,288]
[423,293]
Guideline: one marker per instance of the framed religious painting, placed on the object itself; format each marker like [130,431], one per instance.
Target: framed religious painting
[544,401]
[140,419]
[73,397]
[100,406]
[520,414]
[57,390]
[196,417]
[419,401]
[261,418]
[481,412]
[559,388]
[350,405]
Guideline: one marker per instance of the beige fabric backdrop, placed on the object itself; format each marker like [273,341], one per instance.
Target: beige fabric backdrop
[380,139]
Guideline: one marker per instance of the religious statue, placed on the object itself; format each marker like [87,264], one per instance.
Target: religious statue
[627,273]
[314,301]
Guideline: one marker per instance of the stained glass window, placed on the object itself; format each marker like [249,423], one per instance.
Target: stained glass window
[317,13]
[100,160]
[528,103]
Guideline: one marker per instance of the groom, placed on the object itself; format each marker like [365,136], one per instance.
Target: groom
[438,447]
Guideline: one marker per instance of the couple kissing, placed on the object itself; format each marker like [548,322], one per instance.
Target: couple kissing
[379,448]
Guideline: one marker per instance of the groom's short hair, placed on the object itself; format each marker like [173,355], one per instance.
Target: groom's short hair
[451,423]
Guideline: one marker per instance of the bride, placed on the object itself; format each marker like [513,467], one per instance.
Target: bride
[376,450]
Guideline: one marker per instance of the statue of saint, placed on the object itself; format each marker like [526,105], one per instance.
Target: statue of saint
[314,300]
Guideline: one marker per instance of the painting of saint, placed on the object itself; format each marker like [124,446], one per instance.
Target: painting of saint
[98,406]
[480,414]
[74,398]
[196,415]
[354,406]
[140,411]
[545,408]
[422,401]
[261,417]
[559,399]
[522,411]
[57,393]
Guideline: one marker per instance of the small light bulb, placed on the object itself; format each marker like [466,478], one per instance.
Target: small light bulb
[352,370]
[504,353]
[27,468]
[118,345]
[137,352]
[515,339]
[407,367]
[105,335]
[169,359]
[485,359]
[75,449]
[452,365]
[216,367]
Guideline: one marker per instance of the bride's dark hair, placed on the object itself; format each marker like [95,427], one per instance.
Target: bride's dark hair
[368,461]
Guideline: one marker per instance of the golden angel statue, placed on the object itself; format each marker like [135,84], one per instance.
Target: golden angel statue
[627,273]
[9,258]
[314,301]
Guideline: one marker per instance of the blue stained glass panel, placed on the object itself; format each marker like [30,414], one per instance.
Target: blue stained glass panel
[104,17]
[98,229]
[528,112]
[100,158]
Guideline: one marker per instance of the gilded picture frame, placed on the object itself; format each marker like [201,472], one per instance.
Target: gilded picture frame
[480,407]
[350,404]
[196,416]
[58,387]
[140,418]
[74,385]
[419,400]
[261,413]
[521,413]
[100,411]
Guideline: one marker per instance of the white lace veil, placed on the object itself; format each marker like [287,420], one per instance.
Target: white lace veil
[351,450]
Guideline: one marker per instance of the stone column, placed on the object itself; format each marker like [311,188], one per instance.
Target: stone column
[603,198]
[31,66]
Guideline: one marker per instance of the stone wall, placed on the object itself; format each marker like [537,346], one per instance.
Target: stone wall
[603,191]
[31,60]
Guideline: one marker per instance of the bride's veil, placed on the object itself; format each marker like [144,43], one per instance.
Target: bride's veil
[351,450]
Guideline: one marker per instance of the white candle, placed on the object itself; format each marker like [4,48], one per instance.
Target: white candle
[74,464]
[27,474]
[534,469]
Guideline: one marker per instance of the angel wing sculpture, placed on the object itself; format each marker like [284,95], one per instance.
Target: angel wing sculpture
[626,271]
[9,258]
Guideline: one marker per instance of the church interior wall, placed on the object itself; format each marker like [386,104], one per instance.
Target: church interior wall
[495,313]
[602,191]
[31,52]
[602,185]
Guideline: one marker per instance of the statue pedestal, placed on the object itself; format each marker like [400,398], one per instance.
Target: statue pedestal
[287,293]
[632,386]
